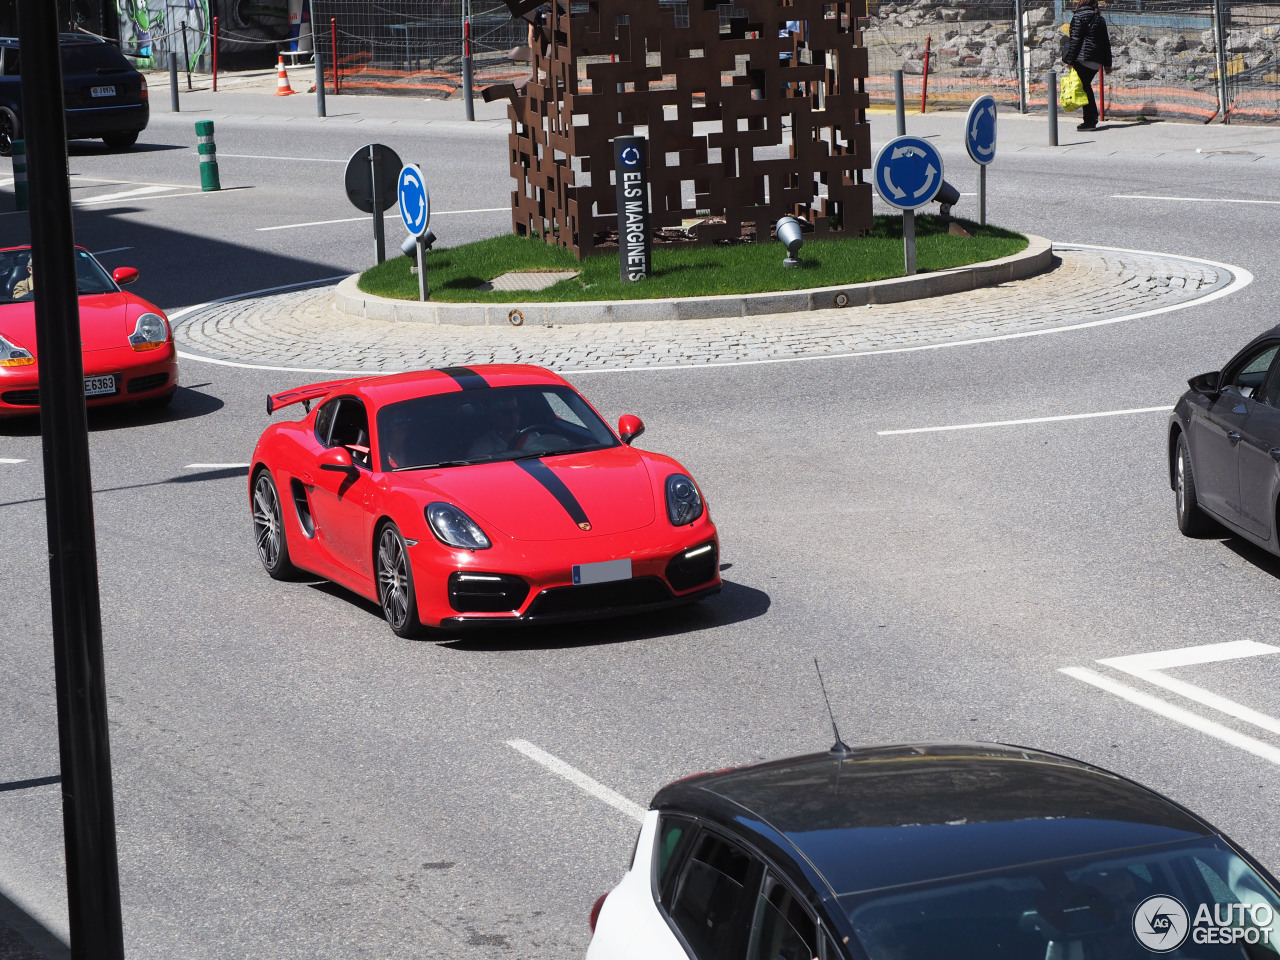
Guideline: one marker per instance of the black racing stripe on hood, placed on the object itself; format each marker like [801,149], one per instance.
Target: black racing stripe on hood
[465,377]
[555,486]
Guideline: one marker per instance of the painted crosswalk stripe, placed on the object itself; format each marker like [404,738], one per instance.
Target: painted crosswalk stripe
[579,779]
[123,195]
[1012,423]
[11,460]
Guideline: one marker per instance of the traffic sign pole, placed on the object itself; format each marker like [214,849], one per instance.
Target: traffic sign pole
[909,240]
[379,238]
[982,194]
[422,269]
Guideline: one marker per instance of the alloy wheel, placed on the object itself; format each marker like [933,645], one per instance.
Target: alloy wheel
[268,524]
[393,578]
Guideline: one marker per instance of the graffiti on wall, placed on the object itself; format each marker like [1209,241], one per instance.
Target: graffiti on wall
[149,28]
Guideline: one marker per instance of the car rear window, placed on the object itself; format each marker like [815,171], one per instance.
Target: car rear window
[93,58]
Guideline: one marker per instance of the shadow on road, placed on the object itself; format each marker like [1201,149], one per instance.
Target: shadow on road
[1267,562]
[187,404]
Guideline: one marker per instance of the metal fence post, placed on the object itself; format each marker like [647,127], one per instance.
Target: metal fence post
[173,81]
[319,81]
[1053,108]
[186,54]
[1022,56]
[466,62]
[1220,44]
[899,106]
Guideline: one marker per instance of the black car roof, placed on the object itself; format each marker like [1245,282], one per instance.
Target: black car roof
[884,816]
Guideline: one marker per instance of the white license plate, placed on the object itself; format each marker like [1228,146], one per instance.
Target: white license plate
[584,573]
[102,91]
[97,386]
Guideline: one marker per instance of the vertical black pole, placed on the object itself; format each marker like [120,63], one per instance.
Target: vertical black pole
[315,45]
[375,172]
[635,244]
[173,81]
[88,814]
[186,54]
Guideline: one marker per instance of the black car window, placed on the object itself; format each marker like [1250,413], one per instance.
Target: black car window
[671,830]
[9,62]
[479,426]
[351,430]
[324,421]
[1269,393]
[783,928]
[1248,377]
[710,895]
[93,58]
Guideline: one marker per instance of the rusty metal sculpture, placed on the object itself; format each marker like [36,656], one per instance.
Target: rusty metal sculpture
[711,92]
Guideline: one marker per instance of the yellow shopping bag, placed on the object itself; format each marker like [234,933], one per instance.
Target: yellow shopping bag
[1071,91]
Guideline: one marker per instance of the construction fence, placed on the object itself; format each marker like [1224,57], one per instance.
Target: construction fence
[1201,61]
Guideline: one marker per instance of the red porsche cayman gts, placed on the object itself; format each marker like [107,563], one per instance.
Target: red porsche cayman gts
[477,496]
[129,354]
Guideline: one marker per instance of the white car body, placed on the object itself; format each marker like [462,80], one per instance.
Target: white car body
[629,926]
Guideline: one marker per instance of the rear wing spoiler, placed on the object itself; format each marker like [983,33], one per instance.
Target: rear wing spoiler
[304,395]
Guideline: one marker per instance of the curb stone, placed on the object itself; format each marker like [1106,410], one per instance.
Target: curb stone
[1036,258]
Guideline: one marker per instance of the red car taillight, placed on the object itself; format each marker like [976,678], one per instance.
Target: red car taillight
[595,912]
[144,88]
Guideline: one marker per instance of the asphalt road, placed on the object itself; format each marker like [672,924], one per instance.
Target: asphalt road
[293,781]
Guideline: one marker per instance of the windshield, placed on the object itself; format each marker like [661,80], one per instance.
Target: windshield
[1196,900]
[18,277]
[480,426]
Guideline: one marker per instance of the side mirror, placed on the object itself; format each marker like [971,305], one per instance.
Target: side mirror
[338,459]
[629,427]
[123,275]
[1206,384]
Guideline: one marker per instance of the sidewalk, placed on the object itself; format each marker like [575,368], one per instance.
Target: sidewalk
[303,329]
[251,96]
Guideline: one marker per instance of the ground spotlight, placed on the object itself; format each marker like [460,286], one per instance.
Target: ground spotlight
[947,196]
[411,242]
[788,231]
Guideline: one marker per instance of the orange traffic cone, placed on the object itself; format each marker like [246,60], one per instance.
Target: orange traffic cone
[282,81]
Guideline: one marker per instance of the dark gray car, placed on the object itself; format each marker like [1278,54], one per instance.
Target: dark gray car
[1224,446]
[105,95]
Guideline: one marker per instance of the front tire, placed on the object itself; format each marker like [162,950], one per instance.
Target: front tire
[394,574]
[268,528]
[10,130]
[1191,519]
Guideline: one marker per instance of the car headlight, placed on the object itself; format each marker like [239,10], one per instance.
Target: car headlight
[684,504]
[150,333]
[453,527]
[12,355]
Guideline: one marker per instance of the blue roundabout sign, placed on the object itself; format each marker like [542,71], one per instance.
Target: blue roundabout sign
[415,201]
[908,172]
[980,130]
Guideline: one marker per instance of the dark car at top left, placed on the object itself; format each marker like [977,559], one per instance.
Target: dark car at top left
[128,348]
[105,95]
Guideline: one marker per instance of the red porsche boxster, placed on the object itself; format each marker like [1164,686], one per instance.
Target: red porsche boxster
[477,496]
[128,347]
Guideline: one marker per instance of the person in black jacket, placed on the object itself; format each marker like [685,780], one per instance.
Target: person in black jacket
[1088,50]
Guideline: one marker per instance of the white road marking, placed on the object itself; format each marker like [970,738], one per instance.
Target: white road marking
[1240,278]
[11,460]
[103,253]
[323,223]
[214,466]
[1146,666]
[1190,656]
[1011,423]
[1177,714]
[580,779]
[122,195]
[254,156]
[1141,196]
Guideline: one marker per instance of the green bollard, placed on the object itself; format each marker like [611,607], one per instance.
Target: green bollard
[208,156]
[19,175]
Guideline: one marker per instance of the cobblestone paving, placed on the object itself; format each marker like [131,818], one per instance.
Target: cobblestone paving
[302,329]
